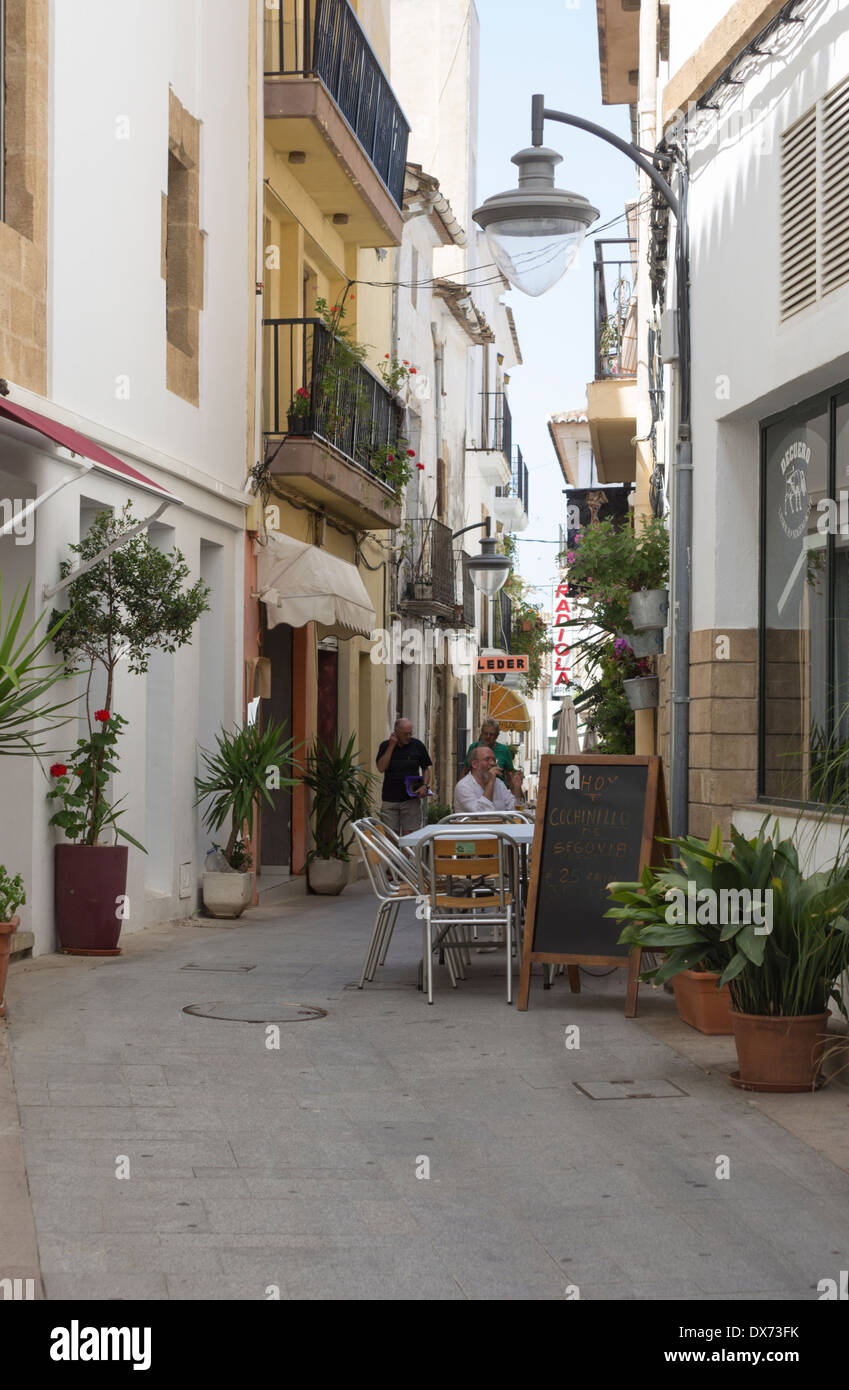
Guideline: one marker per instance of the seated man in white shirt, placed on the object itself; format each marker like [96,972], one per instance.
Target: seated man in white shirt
[481,789]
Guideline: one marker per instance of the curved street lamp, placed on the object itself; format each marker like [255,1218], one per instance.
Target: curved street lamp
[534,233]
[489,570]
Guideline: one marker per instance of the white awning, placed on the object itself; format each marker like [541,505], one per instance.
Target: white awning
[298,583]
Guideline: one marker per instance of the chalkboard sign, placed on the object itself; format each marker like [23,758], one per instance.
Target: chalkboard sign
[597,821]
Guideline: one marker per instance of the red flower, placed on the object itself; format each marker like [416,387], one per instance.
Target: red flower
[352,296]
[391,458]
[411,453]
[102,716]
[386,355]
[421,466]
[302,391]
[406,363]
[58,770]
[335,309]
[412,371]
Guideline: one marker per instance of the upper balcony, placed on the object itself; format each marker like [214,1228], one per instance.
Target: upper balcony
[511,501]
[331,113]
[493,455]
[343,445]
[612,397]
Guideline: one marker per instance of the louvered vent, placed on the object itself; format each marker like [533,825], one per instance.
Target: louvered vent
[799,215]
[834,242]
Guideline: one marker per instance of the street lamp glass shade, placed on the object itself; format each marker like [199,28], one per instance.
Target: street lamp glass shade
[535,231]
[534,256]
[488,570]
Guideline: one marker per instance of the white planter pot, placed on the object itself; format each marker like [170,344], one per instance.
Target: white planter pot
[328,876]
[227,895]
[649,608]
[642,692]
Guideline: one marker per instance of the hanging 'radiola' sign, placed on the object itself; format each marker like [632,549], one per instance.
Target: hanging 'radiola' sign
[562,614]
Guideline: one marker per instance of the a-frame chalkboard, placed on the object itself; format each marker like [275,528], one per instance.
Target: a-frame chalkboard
[598,820]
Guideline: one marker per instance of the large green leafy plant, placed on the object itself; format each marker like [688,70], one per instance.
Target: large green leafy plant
[341,793]
[11,894]
[239,775]
[792,968]
[128,604]
[24,681]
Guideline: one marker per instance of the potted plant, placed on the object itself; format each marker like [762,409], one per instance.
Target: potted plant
[11,896]
[395,373]
[778,938]
[640,686]
[613,568]
[129,603]
[24,681]
[238,776]
[299,414]
[341,793]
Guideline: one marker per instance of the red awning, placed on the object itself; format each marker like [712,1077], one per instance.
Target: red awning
[78,444]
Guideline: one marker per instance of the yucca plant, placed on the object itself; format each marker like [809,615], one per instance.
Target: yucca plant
[787,967]
[341,793]
[242,773]
[24,681]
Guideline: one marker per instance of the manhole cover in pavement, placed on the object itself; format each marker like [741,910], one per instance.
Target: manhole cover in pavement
[219,969]
[629,1090]
[230,1012]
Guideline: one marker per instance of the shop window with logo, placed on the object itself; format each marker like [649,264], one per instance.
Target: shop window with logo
[804,626]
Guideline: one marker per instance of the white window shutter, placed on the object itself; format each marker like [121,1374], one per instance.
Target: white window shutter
[799,215]
[834,234]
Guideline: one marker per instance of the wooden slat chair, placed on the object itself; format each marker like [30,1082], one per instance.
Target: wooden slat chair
[451,871]
[395,879]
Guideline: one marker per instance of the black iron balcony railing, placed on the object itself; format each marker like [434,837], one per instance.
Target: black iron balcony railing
[614,275]
[324,38]
[505,614]
[432,562]
[342,402]
[469,591]
[497,425]
[518,486]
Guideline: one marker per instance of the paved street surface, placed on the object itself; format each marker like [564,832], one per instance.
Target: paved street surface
[251,1167]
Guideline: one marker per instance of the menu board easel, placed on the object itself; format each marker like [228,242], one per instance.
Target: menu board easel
[598,820]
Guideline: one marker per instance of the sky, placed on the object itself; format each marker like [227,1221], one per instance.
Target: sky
[549,46]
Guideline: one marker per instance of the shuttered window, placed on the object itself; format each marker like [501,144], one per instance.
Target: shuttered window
[815,203]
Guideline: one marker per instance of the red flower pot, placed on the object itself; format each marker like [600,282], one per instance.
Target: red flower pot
[7,931]
[90,880]
[700,1003]
[778,1053]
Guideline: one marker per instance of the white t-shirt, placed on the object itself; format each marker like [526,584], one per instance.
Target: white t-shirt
[468,796]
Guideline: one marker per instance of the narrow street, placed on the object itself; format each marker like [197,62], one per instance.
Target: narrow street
[252,1170]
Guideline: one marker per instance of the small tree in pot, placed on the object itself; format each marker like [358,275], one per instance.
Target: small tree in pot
[243,771]
[129,603]
[341,793]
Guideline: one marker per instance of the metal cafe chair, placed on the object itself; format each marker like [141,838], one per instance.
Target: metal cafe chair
[395,879]
[442,855]
[493,817]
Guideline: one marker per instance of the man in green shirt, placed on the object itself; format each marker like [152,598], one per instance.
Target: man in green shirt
[503,754]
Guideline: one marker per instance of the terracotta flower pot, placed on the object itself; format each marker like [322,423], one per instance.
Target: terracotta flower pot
[7,931]
[701,1004]
[90,880]
[778,1054]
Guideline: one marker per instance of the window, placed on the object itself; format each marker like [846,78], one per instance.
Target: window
[182,253]
[804,625]
[814,194]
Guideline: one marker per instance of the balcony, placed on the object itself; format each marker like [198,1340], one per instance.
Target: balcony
[511,502]
[492,457]
[331,113]
[336,452]
[612,396]
[428,583]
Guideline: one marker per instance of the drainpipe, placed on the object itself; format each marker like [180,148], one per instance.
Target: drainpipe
[681,547]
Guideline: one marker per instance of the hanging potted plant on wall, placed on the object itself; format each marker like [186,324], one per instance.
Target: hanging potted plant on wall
[778,938]
[640,686]
[341,794]
[11,896]
[130,603]
[241,774]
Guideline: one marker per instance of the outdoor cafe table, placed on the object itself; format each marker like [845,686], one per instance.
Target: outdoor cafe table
[521,833]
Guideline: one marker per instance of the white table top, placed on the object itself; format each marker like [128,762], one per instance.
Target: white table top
[521,832]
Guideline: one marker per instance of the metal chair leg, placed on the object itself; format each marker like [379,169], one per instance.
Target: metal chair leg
[390,927]
[375,937]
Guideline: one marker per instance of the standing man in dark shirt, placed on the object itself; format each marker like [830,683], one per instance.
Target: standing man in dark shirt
[401,756]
